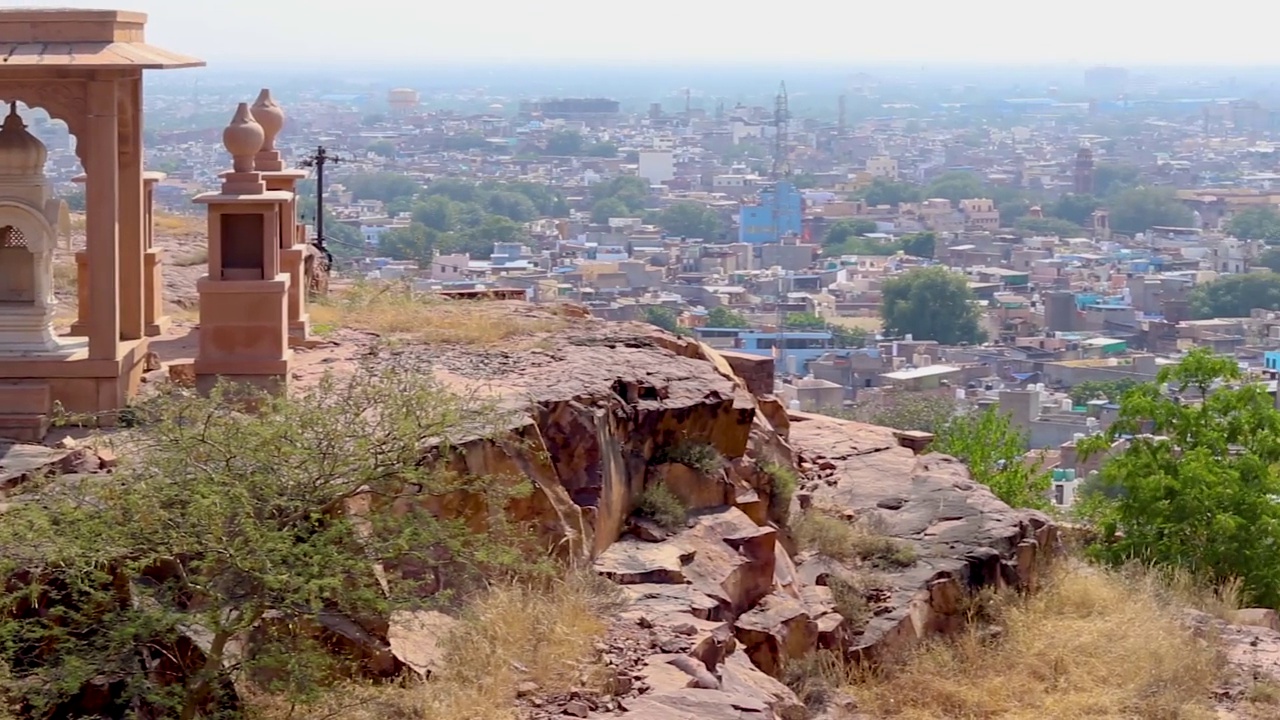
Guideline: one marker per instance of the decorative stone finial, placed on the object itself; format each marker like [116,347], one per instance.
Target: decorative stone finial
[21,153]
[270,116]
[243,138]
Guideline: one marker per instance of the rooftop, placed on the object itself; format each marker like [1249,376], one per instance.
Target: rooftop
[47,38]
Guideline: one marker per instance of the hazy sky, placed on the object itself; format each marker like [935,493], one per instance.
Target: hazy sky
[712,31]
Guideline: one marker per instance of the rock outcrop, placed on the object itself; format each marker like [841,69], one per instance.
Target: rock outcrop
[725,600]
[721,599]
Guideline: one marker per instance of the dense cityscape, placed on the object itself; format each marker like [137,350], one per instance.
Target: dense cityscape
[1091,231]
[412,368]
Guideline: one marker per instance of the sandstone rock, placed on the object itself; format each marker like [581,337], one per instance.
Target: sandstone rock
[776,630]
[650,599]
[632,562]
[694,490]
[740,676]
[22,462]
[756,371]
[414,638]
[696,704]
[966,537]
[182,374]
[734,558]
[1257,617]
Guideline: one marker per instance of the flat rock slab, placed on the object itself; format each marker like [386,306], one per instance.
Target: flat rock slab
[20,462]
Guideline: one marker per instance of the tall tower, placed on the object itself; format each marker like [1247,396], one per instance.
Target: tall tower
[781,117]
[841,123]
[1084,172]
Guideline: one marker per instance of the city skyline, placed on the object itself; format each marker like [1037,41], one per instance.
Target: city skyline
[663,32]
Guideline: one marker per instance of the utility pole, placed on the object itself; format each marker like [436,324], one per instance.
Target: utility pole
[318,160]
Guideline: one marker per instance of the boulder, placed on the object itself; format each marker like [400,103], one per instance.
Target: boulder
[631,562]
[733,560]
[697,704]
[695,490]
[776,630]
[415,639]
[965,536]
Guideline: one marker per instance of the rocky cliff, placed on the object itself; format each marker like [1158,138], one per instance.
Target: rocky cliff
[723,599]
[743,536]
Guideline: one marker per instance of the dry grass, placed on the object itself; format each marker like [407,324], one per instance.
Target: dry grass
[170,223]
[1092,644]
[396,310]
[511,636]
[66,277]
[830,535]
[196,256]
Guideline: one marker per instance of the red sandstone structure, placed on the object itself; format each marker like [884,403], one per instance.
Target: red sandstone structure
[249,296]
[83,67]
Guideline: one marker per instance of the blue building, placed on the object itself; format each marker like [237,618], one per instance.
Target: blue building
[1271,361]
[793,349]
[756,223]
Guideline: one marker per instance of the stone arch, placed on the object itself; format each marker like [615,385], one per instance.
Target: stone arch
[63,100]
[27,242]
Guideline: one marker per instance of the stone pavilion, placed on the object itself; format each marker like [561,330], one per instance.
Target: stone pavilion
[83,67]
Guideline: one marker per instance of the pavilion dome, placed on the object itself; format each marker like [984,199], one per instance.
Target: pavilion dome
[21,153]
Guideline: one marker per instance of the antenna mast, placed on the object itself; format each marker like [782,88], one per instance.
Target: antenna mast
[318,160]
[781,116]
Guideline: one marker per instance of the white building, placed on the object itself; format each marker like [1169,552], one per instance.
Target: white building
[882,166]
[657,166]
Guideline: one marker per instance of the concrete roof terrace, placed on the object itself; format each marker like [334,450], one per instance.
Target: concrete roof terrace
[51,38]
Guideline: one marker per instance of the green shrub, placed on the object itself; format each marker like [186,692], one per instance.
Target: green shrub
[699,456]
[836,538]
[785,482]
[660,505]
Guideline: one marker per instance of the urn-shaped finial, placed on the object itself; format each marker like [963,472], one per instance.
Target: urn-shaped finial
[270,116]
[242,138]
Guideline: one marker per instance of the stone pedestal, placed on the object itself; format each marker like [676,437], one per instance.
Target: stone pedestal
[244,300]
[153,301]
[25,407]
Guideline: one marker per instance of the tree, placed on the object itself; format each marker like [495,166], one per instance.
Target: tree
[882,191]
[1111,390]
[1075,209]
[1236,295]
[956,186]
[1140,209]
[565,142]
[75,200]
[215,554]
[1196,486]
[690,220]
[907,411]
[602,150]
[412,243]
[723,317]
[456,190]
[1110,179]
[1049,226]
[930,303]
[383,148]
[663,317]
[922,244]
[381,186]
[1260,223]
[993,450]
[608,208]
[842,230]
[436,212]
[511,205]
[848,337]
[1270,258]
[630,190]
[804,321]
